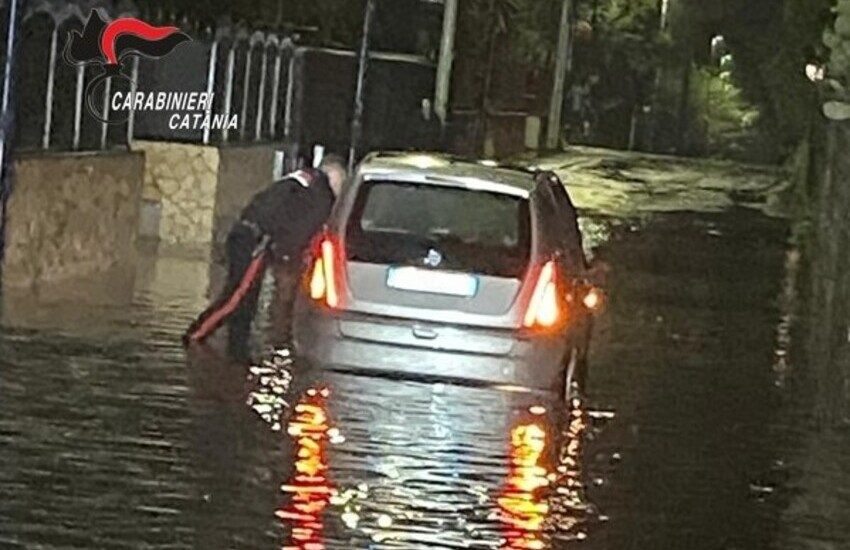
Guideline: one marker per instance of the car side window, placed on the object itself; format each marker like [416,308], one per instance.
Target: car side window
[547,208]
[552,221]
[567,221]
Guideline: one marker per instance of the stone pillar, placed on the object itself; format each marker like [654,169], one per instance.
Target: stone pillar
[182,179]
[194,193]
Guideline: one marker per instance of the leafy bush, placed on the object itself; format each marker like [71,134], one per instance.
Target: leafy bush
[728,122]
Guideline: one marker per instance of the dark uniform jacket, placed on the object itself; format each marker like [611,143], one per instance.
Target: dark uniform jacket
[291,211]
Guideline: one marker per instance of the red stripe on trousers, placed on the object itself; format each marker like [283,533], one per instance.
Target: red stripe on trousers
[212,322]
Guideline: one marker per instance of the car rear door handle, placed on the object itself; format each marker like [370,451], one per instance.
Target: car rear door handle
[425,333]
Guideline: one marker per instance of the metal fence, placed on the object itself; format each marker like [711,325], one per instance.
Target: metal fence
[245,69]
[280,91]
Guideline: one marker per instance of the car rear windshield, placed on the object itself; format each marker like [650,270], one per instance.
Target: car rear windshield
[440,227]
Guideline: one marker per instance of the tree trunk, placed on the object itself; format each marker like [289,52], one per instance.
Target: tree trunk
[562,61]
[684,105]
[829,338]
[484,107]
[444,65]
[481,126]
[359,99]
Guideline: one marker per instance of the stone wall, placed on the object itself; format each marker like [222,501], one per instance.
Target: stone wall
[181,179]
[193,193]
[243,171]
[75,216]
[71,216]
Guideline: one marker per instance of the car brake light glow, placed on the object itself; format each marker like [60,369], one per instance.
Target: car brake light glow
[325,279]
[317,280]
[544,309]
[328,253]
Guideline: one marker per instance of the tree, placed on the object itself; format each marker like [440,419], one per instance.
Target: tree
[626,51]
[837,39]
[772,42]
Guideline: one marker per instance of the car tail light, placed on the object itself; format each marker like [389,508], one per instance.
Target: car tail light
[326,277]
[545,309]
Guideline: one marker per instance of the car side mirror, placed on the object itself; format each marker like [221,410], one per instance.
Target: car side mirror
[591,293]
[593,299]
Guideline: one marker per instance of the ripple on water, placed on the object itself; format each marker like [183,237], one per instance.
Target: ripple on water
[400,464]
[108,439]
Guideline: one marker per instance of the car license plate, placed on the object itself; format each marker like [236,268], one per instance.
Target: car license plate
[434,282]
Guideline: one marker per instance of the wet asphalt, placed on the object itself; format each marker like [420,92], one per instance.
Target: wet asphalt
[695,433]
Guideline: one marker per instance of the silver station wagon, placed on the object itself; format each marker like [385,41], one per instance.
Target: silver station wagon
[439,268]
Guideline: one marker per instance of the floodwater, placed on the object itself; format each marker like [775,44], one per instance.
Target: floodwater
[697,431]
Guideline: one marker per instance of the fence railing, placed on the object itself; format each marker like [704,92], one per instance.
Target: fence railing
[279,91]
[249,71]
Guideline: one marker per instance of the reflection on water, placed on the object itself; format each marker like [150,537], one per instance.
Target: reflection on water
[571,509]
[272,378]
[310,489]
[540,503]
[509,476]
[110,438]
[522,505]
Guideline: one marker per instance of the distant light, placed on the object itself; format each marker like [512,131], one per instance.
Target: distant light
[537,410]
[815,72]
[425,161]
[718,48]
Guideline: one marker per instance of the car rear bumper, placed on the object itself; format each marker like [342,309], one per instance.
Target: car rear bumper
[534,363]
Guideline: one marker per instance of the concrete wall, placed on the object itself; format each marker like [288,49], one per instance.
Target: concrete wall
[70,216]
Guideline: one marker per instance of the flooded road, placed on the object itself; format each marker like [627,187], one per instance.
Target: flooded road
[696,431]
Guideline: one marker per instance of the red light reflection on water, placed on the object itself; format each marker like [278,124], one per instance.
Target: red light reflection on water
[522,506]
[309,488]
[539,500]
